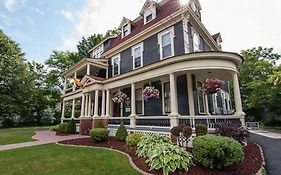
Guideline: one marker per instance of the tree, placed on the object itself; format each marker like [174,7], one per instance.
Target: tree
[88,43]
[260,95]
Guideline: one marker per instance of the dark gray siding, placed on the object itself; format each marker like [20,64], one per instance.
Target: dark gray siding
[126,63]
[206,46]
[182,95]
[153,107]
[178,40]
[151,52]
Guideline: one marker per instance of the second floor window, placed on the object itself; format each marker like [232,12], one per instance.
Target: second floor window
[116,65]
[196,40]
[137,52]
[166,44]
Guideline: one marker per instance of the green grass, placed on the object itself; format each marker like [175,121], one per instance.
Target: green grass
[18,135]
[55,159]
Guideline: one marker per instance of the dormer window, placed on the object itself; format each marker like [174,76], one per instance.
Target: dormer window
[126,30]
[149,11]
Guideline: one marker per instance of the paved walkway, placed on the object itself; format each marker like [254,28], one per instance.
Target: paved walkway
[266,133]
[42,138]
[271,145]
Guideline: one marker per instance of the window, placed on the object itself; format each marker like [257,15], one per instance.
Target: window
[196,40]
[137,53]
[116,65]
[149,13]
[201,98]
[126,30]
[215,103]
[139,102]
[223,102]
[166,44]
[167,98]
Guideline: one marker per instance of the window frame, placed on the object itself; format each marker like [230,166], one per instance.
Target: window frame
[112,63]
[128,24]
[163,83]
[160,42]
[140,45]
[150,10]
[140,88]
[195,33]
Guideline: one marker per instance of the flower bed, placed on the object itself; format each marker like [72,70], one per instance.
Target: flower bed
[250,165]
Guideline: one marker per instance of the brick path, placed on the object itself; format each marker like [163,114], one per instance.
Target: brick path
[42,138]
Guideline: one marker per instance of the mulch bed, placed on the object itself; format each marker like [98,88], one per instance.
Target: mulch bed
[249,166]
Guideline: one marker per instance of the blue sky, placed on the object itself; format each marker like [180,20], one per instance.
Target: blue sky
[40,26]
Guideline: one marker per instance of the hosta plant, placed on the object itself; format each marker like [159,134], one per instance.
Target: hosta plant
[161,153]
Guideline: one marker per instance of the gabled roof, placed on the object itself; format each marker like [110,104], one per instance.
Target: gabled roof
[91,78]
[165,9]
[124,21]
[149,2]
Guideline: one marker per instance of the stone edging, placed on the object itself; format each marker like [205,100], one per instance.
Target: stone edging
[129,157]
[263,161]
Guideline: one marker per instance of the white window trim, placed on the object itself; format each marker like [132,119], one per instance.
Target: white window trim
[172,35]
[185,35]
[129,30]
[133,54]
[112,63]
[204,103]
[163,97]
[215,103]
[194,32]
[152,12]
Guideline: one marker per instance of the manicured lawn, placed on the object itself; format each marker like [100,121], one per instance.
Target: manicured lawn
[18,135]
[55,159]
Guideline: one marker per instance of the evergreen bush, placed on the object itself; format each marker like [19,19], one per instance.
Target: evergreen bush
[121,133]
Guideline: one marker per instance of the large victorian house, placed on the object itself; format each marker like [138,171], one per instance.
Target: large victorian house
[167,47]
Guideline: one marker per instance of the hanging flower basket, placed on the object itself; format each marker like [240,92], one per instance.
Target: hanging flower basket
[212,86]
[119,97]
[150,92]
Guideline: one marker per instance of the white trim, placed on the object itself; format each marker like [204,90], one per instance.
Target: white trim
[215,103]
[172,36]
[195,33]
[149,10]
[185,35]
[118,56]
[163,97]
[223,102]
[204,103]
[129,29]
[140,45]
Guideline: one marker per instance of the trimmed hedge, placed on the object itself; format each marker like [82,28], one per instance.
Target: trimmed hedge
[99,134]
[132,140]
[217,152]
[71,127]
[201,130]
[121,133]
[62,128]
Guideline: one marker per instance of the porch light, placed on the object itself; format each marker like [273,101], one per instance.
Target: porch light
[184,2]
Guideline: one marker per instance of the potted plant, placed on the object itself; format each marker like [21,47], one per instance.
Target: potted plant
[119,97]
[212,86]
[150,92]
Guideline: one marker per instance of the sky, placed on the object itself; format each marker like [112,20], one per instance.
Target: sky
[40,26]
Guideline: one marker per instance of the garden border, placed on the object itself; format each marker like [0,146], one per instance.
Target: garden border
[109,149]
[263,160]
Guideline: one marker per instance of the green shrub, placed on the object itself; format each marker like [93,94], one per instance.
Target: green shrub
[99,134]
[176,130]
[201,129]
[54,128]
[132,140]
[181,126]
[161,153]
[71,127]
[100,125]
[217,152]
[62,128]
[121,133]
[187,131]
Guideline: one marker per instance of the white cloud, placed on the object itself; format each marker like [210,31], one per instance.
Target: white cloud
[37,10]
[68,15]
[98,16]
[12,5]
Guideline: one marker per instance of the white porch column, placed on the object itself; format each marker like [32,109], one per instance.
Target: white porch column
[174,102]
[86,105]
[237,99]
[82,106]
[75,76]
[107,103]
[73,109]
[62,111]
[89,104]
[88,69]
[190,94]
[133,106]
[96,110]
[65,84]
[103,104]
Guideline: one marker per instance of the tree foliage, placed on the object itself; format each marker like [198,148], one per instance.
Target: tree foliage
[88,43]
[259,79]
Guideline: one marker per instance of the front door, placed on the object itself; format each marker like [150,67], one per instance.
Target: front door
[116,110]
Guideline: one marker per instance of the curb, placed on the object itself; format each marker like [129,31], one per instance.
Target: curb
[129,157]
[263,160]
